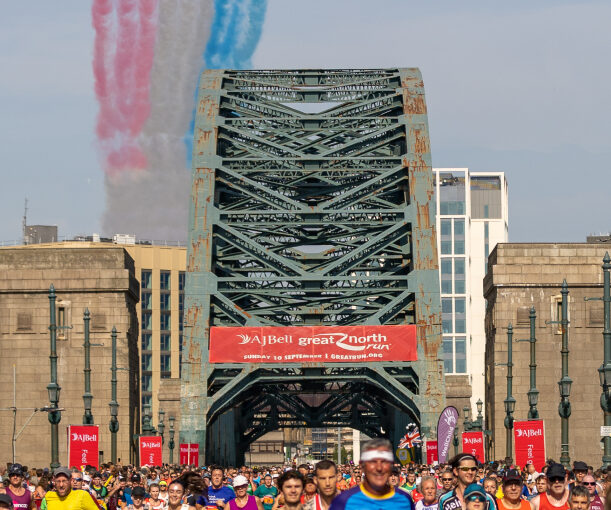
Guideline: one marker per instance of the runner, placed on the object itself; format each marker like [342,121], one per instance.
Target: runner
[375,492]
[242,499]
[580,498]
[21,497]
[557,495]
[512,492]
[64,498]
[596,502]
[291,484]
[464,467]
[267,492]
[325,474]
[428,489]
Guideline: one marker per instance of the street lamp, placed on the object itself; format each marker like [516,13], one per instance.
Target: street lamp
[467,423]
[604,371]
[114,405]
[53,388]
[171,444]
[147,428]
[87,396]
[564,385]
[160,424]
[478,423]
[510,402]
[533,392]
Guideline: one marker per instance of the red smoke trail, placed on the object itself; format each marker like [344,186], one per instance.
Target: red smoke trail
[122,70]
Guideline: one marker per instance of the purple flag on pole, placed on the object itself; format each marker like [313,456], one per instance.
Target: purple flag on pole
[445,432]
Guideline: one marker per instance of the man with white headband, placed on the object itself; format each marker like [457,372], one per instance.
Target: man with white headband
[375,492]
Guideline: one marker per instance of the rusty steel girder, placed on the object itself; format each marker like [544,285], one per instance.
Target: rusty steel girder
[312,204]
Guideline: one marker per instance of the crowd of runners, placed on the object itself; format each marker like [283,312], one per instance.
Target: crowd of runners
[376,483]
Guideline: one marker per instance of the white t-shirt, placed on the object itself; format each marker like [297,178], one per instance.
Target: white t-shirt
[421,506]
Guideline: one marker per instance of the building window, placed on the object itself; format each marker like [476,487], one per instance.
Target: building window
[452,193]
[146,279]
[459,275]
[164,280]
[164,342]
[460,315]
[147,400]
[164,321]
[446,237]
[146,362]
[146,300]
[446,315]
[147,320]
[165,365]
[448,355]
[181,281]
[164,301]
[459,237]
[455,355]
[147,342]
[446,276]
[147,383]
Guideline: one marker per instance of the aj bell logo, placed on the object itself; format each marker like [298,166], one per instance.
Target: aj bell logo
[149,445]
[347,342]
[528,433]
[84,437]
[472,440]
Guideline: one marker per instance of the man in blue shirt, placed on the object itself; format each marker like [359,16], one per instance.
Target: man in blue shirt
[375,492]
[218,494]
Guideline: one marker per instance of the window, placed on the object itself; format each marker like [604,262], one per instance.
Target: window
[448,355]
[164,321]
[459,237]
[446,315]
[146,362]
[147,400]
[164,301]
[164,342]
[147,342]
[446,237]
[452,193]
[446,276]
[459,275]
[460,316]
[486,197]
[460,345]
[164,280]
[181,281]
[147,320]
[146,300]
[165,362]
[146,279]
[147,383]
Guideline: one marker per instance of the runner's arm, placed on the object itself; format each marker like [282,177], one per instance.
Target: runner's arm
[534,503]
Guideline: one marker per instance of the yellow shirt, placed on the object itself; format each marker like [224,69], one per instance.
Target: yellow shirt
[76,500]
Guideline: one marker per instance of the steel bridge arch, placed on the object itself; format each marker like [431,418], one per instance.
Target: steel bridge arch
[309,217]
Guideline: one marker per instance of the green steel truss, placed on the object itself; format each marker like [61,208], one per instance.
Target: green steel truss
[311,205]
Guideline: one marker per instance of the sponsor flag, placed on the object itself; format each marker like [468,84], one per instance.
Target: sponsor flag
[529,440]
[473,443]
[189,453]
[83,445]
[431,452]
[150,451]
[307,344]
[445,432]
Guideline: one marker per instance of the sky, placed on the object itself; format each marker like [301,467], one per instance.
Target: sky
[520,87]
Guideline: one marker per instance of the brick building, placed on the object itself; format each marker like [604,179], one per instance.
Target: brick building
[524,275]
[85,275]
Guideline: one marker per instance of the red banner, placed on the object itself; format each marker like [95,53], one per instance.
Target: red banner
[150,451]
[344,344]
[473,443]
[431,452]
[529,440]
[83,443]
[189,453]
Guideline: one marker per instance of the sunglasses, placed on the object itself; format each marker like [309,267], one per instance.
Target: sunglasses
[589,484]
[556,479]
[447,479]
[476,497]
[77,479]
[465,469]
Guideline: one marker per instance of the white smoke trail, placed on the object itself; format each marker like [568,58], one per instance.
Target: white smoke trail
[154,204]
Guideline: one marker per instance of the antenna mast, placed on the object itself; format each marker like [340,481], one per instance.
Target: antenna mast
[25,222]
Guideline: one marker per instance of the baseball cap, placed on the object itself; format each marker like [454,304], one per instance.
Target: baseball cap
[556,471]
[240,480]
[474,488]
[138,492]
[163,482]
[6,499]
[512,475]
[97,474]
[136,478]
[579,465]
[86,478]
[62,471]
[15,469]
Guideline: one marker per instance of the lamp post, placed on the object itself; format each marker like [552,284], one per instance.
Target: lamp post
[533,392]
[160,424]
[147,427]
[114,405]
[604,371]
[510,402]
[455,442]
[477,424]
[87,396]
[171,443]
[564,385]
[53,388]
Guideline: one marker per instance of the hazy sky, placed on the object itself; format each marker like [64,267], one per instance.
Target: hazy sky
[520,87]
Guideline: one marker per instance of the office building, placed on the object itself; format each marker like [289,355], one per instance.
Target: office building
[472,217]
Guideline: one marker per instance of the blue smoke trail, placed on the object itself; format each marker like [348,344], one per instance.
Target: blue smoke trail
[234,36]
